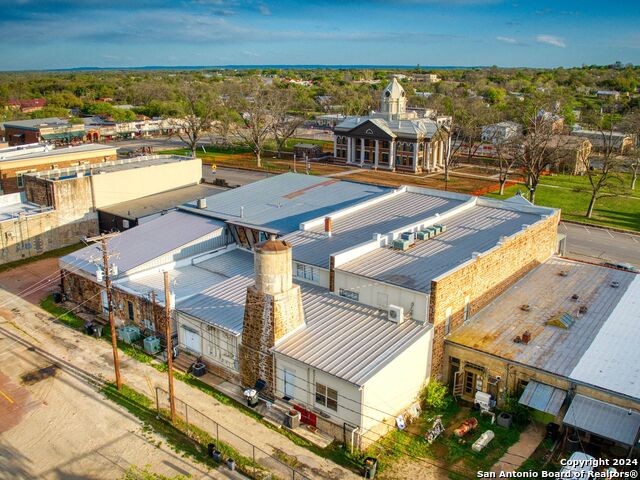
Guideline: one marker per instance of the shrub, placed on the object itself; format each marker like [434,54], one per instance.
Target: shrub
[521,414]
[435,396]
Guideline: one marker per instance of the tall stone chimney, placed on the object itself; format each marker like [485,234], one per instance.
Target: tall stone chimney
[273,309]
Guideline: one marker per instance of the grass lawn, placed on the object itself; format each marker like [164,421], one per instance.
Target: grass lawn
[451,452]
[619,212]
[247,160]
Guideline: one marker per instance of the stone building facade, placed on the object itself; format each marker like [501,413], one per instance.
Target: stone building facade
[273,308]
[463,292]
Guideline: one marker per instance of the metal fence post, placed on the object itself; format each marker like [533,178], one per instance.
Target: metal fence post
[217,437]
[186,416]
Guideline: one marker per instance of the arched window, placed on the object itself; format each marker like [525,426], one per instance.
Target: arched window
[411,147]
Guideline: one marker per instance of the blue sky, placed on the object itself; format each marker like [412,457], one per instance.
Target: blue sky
[37,34]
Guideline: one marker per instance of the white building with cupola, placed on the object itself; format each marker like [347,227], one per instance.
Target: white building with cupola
[394,138]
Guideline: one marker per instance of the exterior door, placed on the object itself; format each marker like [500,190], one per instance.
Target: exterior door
[191,340]
[469,383]
[289,383]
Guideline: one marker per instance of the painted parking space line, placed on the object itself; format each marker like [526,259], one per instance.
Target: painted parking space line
[7,397]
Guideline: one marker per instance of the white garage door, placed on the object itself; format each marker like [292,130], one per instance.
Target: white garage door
[191,340]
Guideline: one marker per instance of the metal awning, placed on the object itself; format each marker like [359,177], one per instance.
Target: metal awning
[544,398]
[603,419]
[62,136]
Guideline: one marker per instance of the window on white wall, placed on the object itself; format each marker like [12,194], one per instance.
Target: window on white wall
[447,322]
[307,272]
[327,397]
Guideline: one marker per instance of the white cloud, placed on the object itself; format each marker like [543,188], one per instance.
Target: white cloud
[264,10]
[507,40]
[551,40]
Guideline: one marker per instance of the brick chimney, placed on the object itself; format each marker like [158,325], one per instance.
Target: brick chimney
[328,225]
[273,309]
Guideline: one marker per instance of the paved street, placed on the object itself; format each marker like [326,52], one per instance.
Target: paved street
[600,245]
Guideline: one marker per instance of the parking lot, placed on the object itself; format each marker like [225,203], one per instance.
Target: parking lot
[53,425]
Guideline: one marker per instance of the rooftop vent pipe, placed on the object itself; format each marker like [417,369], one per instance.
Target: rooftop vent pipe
[328,224]
[202,203]
[241,212]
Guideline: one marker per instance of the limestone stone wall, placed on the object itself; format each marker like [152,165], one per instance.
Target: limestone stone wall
[479,282]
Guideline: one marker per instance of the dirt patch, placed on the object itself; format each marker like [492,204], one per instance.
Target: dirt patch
[6,314]
[39,374]
[14,403]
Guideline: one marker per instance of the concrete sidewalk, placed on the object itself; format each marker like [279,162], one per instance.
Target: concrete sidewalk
[94,356]
[521,450]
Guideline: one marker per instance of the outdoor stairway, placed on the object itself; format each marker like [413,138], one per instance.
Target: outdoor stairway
[183,362]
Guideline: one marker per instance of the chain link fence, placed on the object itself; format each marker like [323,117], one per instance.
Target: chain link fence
[226,446]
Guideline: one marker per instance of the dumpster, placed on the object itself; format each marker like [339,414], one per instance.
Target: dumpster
[370,467]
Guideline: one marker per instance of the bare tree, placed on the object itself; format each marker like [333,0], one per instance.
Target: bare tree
[605,180]
[284,123]
[506,158]
[540,149]
[631,125]
[254,103]
[469,115]
[198,110]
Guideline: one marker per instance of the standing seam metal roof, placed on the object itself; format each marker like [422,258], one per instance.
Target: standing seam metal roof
[282,202]
[314,247]
[146,242]
[474,230]
[347,339]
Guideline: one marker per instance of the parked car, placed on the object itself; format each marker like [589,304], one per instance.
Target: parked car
[578,466]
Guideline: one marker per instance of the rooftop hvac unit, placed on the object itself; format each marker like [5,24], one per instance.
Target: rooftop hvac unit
[409,237]
[396,314]
[424,235]
[400,244]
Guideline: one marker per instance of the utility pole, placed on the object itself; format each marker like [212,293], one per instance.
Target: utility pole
[112,323]
[167,316]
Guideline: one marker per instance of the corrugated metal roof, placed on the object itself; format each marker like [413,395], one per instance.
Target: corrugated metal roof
[139,245]
[282,202]
[612,361]
[544,398]
[314,247]
[347,339]
[474,230]
[552,349]
[603,419]
[185,282]
[222,303]
[93,148]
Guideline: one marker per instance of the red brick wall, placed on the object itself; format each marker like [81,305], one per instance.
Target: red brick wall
[30,136]
[486,278]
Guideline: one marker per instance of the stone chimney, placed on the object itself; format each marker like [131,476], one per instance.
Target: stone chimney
[273,309]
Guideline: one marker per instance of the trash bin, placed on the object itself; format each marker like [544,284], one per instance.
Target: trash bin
[370,467]
[504,419]
[89,328]
[251,395]
[292,419]
[98,331]
[198,369]
[57,297]
[231,464]
[573,442]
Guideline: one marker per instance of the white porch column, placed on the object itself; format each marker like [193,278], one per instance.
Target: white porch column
[441,153]
[434,155]
[392,154]
[427,155]
[348,149]
[415,157]
[335,147]
[376,154]
[361,151]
